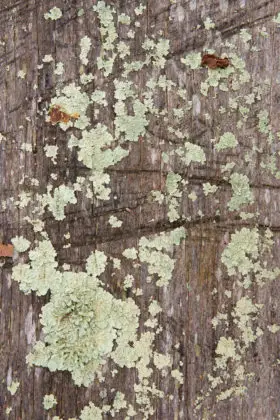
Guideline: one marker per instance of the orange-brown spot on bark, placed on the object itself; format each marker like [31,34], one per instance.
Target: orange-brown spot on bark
[57,115]
[212,61]
[6,250]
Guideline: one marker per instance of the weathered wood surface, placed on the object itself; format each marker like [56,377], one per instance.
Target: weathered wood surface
[188,303]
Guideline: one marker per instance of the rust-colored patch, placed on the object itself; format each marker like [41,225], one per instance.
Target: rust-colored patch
[212,61]
[57,114]
[6,250]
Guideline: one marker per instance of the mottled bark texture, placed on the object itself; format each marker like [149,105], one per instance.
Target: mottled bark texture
[188,302]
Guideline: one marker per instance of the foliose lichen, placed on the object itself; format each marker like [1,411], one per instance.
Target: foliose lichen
[49,401]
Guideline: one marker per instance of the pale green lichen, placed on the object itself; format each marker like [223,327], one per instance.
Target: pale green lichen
[245,35]
[20,243]
[276,19]
[47,58]
[119,402]
[106,64]
[192,196]
[192,60]
[173,194]
[95,151]
[227,140]
[209,24]
[140,9]
[264,125]
[82,324]
[86,78]
[99,184]
[128,281]
[51,152]
[124,19]
[274,328]
[41,272]
[236,74]
[242,193]
[175,373]
[157,196]
[131,126]
[123,49]
[53,14]
[242,252]
[244,313]
[21,74]
[151,252]
[108,35]
[8,410]
[91,412]
[225,350]
[263,122]
[59,69]
[115,222]
[156,51]
[49,401]
[99,97]
[191,153]
[130,253]
[154,308]
[13,387]
[107,29]
[209,189]
[162,361]
[73,102]
[91,149]
[85,44]
[58,199]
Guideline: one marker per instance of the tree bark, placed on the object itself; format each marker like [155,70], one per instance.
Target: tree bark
[201,287]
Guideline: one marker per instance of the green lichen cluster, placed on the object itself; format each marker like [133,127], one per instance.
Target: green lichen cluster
[227,140]
[41,272]
[13,387]
[191,152]
[57,200]
[53,14]
[193,60]
[85,45]
[242,193]
[82,323]
[153,253]
[242,252]
[49,401]
[91,412]
[173,195]
[72,101]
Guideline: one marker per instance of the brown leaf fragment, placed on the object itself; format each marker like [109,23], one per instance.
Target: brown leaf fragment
[57,114]
[212,61]
[6,250]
